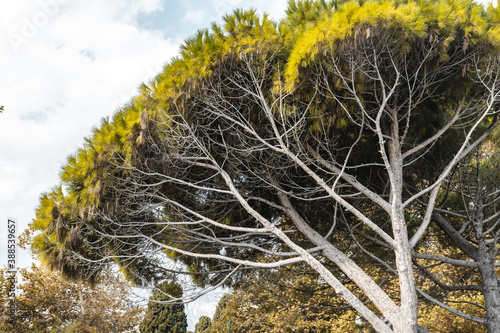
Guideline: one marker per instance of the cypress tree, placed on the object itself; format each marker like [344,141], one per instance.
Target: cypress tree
[203,325]
[161,317]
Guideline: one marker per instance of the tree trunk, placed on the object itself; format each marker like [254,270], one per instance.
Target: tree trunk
[408,309]
[491,293]
[408,318]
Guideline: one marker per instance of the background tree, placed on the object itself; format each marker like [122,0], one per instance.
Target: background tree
[467,301]
[468,218]
[164,315]
[219,319]
[48,303]
[203,325]
[291,299]
[263,146]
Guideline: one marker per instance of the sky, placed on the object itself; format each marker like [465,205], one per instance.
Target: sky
[65,64]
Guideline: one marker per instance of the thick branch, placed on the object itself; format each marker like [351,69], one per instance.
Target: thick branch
[457,239]
[356,274]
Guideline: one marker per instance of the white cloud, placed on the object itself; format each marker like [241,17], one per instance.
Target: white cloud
[486,2]
[276,9]
[194,16]
[231,2]
[70,71]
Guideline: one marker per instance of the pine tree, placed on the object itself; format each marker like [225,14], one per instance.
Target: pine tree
[164,317]
[264,143]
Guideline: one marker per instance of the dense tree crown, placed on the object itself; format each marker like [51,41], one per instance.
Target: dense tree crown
[163,317]
[332,139]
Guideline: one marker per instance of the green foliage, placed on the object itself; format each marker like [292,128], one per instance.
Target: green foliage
[203,325]
[164,317]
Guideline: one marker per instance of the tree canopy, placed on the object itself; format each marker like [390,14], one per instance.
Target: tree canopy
[323,139]
[48,303]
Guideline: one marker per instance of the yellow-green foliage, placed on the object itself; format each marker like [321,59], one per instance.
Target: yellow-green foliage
[412,20]
[493,17]
[302,15]
[310,29]
[83,179]
[242,33]
[85,171]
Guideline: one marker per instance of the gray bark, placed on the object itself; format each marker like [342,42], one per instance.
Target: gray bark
[491,293]
[404,265]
